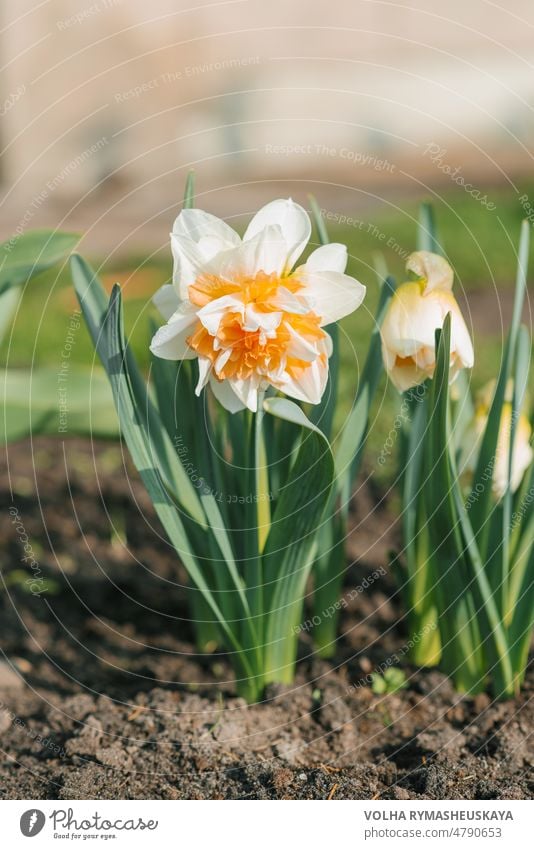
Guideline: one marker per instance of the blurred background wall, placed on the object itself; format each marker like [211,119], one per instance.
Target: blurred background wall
[105,106]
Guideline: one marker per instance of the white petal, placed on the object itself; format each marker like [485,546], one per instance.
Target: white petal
[406,377]
[425,357]
[166,300]
[332,257]
[189,263]
[328,345]
[388,357]
[267,252]
[169,342]
[204,369]
[209,232]
[288,302]
[411,319]
[300,347]
[461,343]
[225,395]
[255,319]
[246,390]
[293,221]
[197,238]
[310,385]
[433,268]
[212,314]
[334,295]
[222,359]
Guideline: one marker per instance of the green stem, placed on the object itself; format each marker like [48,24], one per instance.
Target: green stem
[262,477]
[258,525]
[329,573]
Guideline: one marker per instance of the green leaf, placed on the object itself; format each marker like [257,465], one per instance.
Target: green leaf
[174,381]
[189,193]
[352,437]
[328,574]
[427,237]
[520,381]
[148,446]
[318,220]
[485,607]
[9,301]
[25,256]
[417,586]
[461,646]
[522,623]
[380,266]
[292,541]
[75,402]
[467,594]
[93,302]
[329,566]
[135,430]
[481,509]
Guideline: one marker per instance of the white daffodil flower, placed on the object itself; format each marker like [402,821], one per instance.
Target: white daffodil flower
[237,305]
[416,311]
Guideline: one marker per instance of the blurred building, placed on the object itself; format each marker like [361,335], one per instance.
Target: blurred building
[106,104]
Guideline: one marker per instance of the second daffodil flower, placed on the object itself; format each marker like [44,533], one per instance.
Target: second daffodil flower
[417,309]
[239,307]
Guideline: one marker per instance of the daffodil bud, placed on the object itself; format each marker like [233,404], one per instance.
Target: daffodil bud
[417,309]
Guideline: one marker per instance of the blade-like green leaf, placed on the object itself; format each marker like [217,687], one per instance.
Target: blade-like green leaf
[427,236]
[522,624]
[318,220]
[27,255]
[450,524]
[137,420]
[135,432]
[520,380]
[481,491]
[189,193]
[92,299]
[463,408]
[292,541]
[9,301]
[76,402]
[329,566]
[352,438]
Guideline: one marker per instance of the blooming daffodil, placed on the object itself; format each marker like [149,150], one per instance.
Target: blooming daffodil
[245,312]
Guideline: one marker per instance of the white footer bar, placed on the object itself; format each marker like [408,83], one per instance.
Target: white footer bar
[236,824]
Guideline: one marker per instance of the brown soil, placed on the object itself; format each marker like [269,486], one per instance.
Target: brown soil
[112,702]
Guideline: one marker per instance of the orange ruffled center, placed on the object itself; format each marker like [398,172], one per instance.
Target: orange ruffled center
[252,352]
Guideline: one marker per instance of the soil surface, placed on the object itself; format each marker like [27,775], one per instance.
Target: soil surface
[102,694]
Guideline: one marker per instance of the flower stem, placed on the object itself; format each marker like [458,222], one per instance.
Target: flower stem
[262,478]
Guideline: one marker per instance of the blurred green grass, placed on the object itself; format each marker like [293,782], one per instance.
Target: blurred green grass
[480,244]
